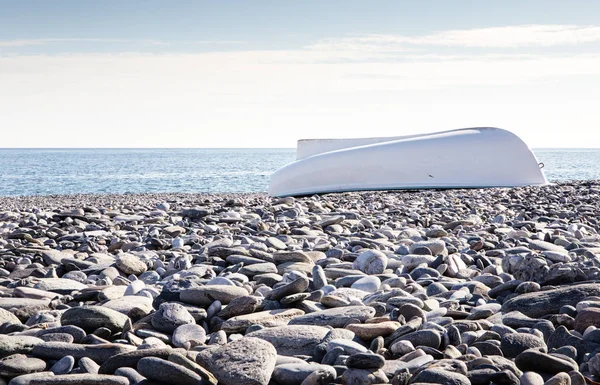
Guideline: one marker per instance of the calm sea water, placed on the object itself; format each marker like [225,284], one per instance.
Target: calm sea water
[72,171]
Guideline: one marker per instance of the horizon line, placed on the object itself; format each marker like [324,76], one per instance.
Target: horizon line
[227,148]
[147,148]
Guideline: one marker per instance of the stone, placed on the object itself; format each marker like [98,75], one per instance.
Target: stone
[131,358]
[59,285]
[349,346]
[365,361]
[441,376]
[80,379]
[512,344]
[206,295]
[587,317]
[170,316]
[63,366]
[369,331]
[299,285]
[8,317]
[531,378]
[559,379]
[130,264]
[239,306]
[267,318]
[539,304]
[164,371]
[76,332]
[319,377]
[335,317]
[124,305]
[10,345]
[247,361]
[292,256]
[26,379]
[292,339]
[536,361]
[431,338]
[371,262]
[343,296]
[19,364]
[296,373]
[97,352]
[369,284]
[90,318]
[363,377]
[88,365]
[188,362]
[437,246]
[188,333]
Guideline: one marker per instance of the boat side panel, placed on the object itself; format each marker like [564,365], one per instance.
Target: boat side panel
[463,158]
[309,147]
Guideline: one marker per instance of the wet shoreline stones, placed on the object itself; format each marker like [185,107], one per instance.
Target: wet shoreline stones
[493,286]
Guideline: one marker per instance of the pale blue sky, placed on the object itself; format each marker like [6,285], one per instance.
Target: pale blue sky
[267,73]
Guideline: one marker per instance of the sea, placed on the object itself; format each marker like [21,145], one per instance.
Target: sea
[126,171]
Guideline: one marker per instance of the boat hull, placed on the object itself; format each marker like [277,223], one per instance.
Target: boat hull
[466,158]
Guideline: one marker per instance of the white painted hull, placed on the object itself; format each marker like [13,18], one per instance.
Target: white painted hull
[466,158]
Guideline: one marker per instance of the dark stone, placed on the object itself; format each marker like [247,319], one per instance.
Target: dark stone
[536,361]
[365,361]
[514,344]
[168,372]
[439,376]
[546,302]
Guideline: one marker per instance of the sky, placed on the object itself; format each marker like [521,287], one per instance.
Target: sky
[124,73]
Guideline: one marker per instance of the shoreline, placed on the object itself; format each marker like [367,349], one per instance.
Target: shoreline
[105,198]
[435,286]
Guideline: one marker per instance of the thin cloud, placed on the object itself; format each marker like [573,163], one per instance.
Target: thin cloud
[47,41]
[493,37]
[32,42]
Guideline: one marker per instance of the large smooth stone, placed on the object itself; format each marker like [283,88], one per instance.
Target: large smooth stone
[536,361]
[130,359]
[129,302]
[8,317]
[59,285]
[20,303]
[337,317]
[99,353]
[19,364]
[90,318]
[247,361]
[369,284]
[130,264]
[267,318]
[587,317]
[513,344]
[190,332]
[439,376]
[80,379]
[296,373]
[206,295]
[292,339]
[371,262]
[541,303]
[10,345]
[437,246]
[242,305]
[164,371]
[369,331]
[299,285]
[170,316]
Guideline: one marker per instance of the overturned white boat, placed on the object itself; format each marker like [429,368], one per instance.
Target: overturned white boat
[465,158]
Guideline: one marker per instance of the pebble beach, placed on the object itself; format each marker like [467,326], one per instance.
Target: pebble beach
[479,286]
